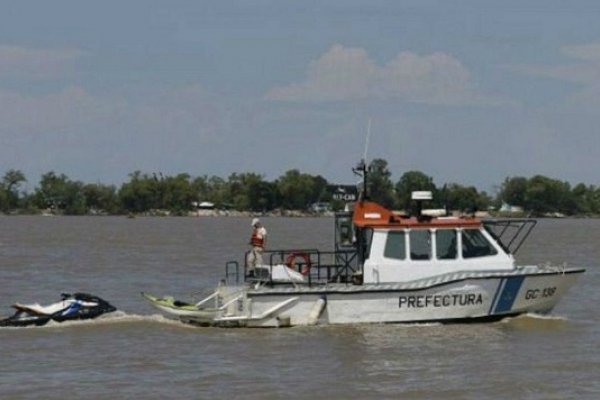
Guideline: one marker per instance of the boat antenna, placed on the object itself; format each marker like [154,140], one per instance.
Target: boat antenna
[362,169]
[367,139]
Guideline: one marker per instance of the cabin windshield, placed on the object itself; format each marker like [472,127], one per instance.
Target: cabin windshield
[420,245]
[511,233]
[445,244]
[474,244]
[395,245]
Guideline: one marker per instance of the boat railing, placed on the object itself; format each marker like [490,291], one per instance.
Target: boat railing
[232,270]
[300,260]
[317,266]
[510,233]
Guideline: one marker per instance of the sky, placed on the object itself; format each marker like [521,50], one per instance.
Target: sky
[465,91]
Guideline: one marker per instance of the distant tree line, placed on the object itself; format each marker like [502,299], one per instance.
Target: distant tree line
[293,190]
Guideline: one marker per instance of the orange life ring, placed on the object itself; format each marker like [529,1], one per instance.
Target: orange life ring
[290,261]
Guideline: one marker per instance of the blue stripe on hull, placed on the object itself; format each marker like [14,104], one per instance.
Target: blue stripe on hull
[509,294]
[493,304]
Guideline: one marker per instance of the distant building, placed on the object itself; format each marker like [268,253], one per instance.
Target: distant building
[205,205]
[320,207]
[507,208]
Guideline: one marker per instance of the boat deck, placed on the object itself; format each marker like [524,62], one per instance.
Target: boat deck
[265,288]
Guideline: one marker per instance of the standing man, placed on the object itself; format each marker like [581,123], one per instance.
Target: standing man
[258,241]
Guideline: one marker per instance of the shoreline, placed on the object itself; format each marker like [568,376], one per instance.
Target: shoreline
[270,214]
[195,214]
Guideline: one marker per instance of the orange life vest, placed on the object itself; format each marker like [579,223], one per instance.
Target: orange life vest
[255,240]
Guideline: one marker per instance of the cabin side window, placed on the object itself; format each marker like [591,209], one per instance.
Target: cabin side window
[367,240]
[445,244]
[395,245]
[474,244]
[420,245]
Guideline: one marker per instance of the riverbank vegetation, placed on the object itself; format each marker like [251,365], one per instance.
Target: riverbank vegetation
[181,194]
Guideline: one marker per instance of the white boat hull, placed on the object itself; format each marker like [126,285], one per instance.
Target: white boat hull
[466,297]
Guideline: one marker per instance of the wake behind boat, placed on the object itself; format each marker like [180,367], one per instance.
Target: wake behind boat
[77,306]
[387,268]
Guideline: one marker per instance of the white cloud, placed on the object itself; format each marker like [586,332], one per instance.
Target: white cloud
[72,129]
[74,109]
[24,62]
[581,73]
[345,73]
[72,106]
[340,74]
[584,70]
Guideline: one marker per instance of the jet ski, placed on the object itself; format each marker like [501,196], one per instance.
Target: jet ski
[71,307]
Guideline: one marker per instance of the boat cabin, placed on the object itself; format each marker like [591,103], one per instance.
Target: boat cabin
[401,248]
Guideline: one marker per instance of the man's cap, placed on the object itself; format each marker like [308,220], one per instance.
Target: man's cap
[255,221]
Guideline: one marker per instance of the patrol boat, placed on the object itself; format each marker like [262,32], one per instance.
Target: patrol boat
[387,268]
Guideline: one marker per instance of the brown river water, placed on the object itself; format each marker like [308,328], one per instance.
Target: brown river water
[137,354]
